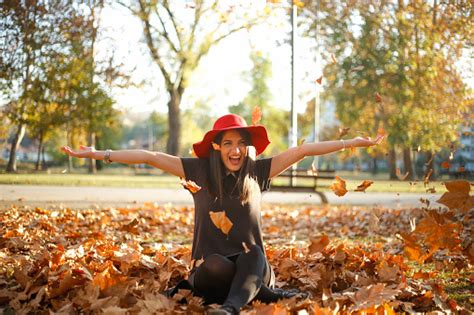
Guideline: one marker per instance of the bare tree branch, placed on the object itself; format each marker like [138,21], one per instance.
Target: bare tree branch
[149,40]
[165,33]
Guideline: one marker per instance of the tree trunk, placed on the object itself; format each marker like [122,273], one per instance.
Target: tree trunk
[38,157]
[392,163]
[11,166]
[375,167]
[407,163]
[174,122]
[43,159]
[92,165]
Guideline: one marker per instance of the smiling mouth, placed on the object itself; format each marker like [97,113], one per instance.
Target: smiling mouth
[234,160]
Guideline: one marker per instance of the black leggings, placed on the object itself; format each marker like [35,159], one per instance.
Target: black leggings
[234,281]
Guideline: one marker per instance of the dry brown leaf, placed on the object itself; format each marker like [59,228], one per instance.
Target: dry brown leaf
[190,185]
[318,244]
[339,187]
[221,221]
[364,185]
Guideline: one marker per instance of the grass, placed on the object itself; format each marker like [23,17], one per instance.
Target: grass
[152,178]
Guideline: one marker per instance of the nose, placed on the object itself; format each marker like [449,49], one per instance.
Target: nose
[236,149]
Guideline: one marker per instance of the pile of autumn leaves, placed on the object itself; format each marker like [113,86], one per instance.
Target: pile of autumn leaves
[118,261]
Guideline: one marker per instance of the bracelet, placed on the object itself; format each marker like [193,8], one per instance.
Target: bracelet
[107,156]
[343,145]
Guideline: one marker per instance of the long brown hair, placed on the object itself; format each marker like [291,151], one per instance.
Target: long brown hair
[246,178]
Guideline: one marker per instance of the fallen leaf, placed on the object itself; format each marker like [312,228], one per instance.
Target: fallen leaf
[318,244]
[256,115]
[190,185]
[457,196]
[221,221]
[339,187]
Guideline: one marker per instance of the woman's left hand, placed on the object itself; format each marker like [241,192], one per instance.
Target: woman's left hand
[366,141]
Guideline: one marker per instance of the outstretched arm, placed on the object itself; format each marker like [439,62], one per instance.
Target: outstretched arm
[284,160]
[168,163]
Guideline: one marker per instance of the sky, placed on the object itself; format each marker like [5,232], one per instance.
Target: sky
[220,79]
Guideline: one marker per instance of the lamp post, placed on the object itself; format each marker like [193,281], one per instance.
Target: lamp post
[294,116]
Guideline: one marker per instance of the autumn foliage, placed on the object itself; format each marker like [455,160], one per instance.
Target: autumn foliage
[121,260]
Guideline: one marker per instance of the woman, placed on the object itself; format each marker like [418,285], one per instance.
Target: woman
[235,270]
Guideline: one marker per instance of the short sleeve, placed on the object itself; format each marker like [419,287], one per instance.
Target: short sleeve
[262,169]
[195,169]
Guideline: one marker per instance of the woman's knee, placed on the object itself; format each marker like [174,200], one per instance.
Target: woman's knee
[255,252]
[218,266]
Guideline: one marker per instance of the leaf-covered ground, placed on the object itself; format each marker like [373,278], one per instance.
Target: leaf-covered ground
[350,260]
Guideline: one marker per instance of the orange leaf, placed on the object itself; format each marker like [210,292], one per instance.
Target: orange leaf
[445,165]
[221,221]
[365,184]
[319,80]
[339,187]
[256,115]
[215,146]
[318,244]
[400,176]
[457,196]
[190,185]
[192,153]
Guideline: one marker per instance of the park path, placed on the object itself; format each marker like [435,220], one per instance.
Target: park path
[84,197]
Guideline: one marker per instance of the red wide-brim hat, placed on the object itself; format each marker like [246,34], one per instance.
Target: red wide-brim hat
[258,134]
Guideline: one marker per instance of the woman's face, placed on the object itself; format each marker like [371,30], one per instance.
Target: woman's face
[233,150]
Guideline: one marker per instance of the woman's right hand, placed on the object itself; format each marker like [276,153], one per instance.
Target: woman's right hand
[83,152]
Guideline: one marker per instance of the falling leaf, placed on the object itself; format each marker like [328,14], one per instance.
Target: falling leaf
[301,141]
[221,221]
[256,115]
[365,184]
[445,165]
[313,170]
[64,171]
[343,131]
[431,190]
[357,68]
[339,187]
[333,58]
[215,146]
[318,244]
[399,174]
[319,80]
[451,156]
[190,185]
[378,97]
[192,153]
[457,196]
[426,179]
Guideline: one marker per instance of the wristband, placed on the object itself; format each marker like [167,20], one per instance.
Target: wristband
[343,145]
[107,156]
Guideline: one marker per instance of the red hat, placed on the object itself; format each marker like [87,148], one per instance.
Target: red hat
[258,134]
